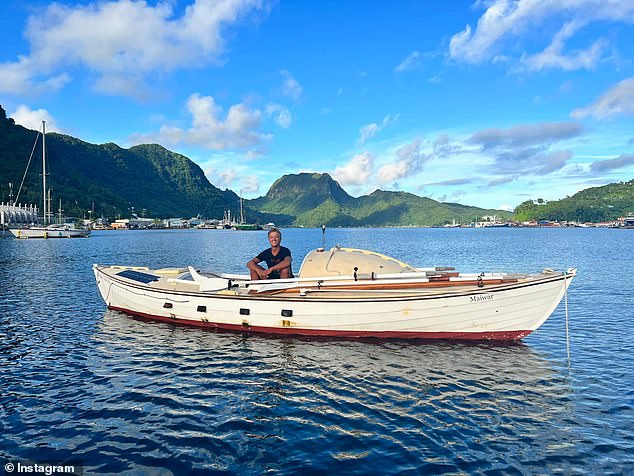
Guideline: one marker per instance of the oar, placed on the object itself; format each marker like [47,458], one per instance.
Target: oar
[207,284]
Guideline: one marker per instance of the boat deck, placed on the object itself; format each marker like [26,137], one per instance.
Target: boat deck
[179,280]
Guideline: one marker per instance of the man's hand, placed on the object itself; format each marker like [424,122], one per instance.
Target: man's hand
[262,273]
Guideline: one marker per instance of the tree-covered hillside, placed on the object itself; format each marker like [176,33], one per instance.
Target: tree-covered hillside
[597,204]
[313,199]
[113,179]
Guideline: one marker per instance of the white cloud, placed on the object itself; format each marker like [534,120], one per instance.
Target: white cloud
[32,118]
[356,172]
[498,20]
[442,146]
[553,56]
[128,84]
[548,163]
[621,162]
[239,129]
[410,63]
[505,20]
[502,180]
[114,38]
[530,161]
[411,160]
[291,87]
[618,100]
[18,77]
[388,173]
[221,178]
[15,77]
[370,130]
[284,119]
[526,134]
[412,151]
[254,154]
[250,184]
[281,115]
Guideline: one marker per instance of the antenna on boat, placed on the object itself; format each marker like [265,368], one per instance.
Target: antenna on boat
[323,238]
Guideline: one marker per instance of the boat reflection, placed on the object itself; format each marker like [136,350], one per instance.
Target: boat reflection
[340,399]
[479,375]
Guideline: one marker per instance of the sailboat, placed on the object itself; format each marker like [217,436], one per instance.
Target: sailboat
[48,230]
[225,224]
[242,225]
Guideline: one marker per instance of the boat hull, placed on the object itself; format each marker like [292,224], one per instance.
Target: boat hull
[502,312]
[42,232]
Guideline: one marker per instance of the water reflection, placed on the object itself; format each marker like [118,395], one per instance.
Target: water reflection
[328,403]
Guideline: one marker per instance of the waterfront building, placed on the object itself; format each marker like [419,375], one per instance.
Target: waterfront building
[12,215]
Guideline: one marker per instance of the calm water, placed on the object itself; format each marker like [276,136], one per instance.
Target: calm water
[79,383]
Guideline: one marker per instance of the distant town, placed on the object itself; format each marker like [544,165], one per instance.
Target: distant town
[495,222]
[26,215]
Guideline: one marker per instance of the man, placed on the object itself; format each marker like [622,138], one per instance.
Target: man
[277,258]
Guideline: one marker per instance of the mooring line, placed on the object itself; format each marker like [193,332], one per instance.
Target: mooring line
[566,305]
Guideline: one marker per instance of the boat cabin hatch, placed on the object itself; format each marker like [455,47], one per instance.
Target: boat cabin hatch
[347,261]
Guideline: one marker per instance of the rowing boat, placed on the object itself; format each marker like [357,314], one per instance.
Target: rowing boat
[343,292]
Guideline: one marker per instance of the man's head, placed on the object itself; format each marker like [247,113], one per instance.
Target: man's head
[275,237]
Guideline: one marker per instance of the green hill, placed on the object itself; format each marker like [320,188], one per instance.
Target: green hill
[306,200]
[314,199]
[597,204]
[114,179]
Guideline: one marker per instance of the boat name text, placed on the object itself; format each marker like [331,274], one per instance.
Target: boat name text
[480,297]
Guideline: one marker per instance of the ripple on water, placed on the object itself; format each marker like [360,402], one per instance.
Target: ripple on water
[139,397]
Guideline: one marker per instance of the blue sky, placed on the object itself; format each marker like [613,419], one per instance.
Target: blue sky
[485,103]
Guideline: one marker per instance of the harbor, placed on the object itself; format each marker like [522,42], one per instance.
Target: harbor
[317,238]
[83,383]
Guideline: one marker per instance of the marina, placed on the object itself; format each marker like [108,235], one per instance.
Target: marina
[47,229]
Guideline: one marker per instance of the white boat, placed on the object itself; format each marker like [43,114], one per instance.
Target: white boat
[343,292]
[225,224]
[50,231]
[62,230]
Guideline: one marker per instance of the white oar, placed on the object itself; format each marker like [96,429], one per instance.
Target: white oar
[207,284]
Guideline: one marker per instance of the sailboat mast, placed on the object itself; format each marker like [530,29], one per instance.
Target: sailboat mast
[50,207]
[45,210]
[241,211]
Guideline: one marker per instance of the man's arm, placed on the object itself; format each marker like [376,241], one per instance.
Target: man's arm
[257,271]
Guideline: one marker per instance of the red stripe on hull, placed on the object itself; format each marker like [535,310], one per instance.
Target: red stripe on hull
[493,335]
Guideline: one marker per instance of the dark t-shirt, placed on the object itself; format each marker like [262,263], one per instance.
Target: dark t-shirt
[271,260]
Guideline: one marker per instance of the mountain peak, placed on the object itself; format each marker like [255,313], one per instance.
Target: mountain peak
[294,185]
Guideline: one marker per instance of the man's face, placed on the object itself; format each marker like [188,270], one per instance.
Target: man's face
[274,239]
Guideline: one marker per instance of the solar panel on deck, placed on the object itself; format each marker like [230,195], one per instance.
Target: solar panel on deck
[137,276]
